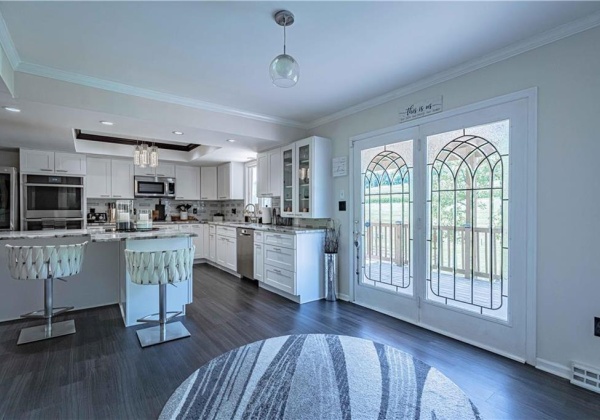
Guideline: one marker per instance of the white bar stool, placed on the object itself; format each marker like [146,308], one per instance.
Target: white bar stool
[48,263]
[151,268]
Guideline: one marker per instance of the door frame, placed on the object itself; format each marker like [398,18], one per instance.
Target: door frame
[530,95]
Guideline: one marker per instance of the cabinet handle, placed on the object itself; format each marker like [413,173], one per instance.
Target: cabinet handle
[277,249]
[117,196]
[223,197]
[46,170]
[61,170]
[105,196]
[160,175]
[203,198]
[277,271]
[179,197]
[277,236]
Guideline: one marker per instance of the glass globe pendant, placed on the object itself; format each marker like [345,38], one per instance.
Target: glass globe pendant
[144,156]
[284,69]
[154,156]
[136,155]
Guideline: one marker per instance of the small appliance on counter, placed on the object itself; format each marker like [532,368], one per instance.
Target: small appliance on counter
[93,217]
[218,217]
[124,209]
[144,219]
[160,208]
[266,215]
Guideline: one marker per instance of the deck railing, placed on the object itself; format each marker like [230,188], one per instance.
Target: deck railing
[478,250]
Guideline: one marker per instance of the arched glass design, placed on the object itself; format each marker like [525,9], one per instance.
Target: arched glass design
[387,207]
[468,217]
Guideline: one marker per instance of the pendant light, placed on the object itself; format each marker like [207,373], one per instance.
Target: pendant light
[137,154]
[144,156]
[284,69]
[153,156]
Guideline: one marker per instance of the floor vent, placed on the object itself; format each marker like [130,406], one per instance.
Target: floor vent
[586,377]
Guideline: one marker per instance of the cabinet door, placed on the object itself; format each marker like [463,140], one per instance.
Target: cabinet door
[69,163]
[223,182]
[263,179]
[206,242]
[187,184]
[36,161]
[288,199]
[121,179]
[147,171]
[258,262]
[281,279]
[232,254]
[208,183]
[275,173]
[198,241]
[165,169]
[222,251]
[212,247]
[303,177]
[98,179]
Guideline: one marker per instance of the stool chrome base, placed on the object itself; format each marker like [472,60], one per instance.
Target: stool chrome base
[162,333]
[41,332]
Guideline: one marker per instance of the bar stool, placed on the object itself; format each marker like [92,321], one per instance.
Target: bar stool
[150,268]
[47,263]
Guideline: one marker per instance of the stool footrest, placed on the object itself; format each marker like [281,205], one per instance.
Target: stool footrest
[40,313]
[170,316]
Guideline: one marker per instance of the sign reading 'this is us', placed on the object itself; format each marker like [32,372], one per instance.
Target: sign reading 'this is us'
[421,109]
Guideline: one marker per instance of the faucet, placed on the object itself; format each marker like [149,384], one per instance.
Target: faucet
[253,216]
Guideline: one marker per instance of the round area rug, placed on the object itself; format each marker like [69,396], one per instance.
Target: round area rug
[318,377]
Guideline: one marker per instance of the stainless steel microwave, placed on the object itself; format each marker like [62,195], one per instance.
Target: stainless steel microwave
[149,186]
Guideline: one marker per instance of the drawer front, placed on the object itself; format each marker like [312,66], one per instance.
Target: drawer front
[212,229]
[226,231]
[277,239]
[258,237]
[280,279]
[280,257]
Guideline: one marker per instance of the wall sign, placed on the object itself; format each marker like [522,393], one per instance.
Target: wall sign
[421,109]
[339,166]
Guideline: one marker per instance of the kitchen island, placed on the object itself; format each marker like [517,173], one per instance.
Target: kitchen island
[103,279]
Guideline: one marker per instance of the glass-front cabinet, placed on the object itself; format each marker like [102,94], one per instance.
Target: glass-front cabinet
[307,179]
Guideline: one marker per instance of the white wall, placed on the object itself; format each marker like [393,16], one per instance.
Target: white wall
[567,74]
[9,158]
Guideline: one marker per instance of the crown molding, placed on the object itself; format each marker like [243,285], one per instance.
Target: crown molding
[553,35]
[8,45]
[94,82]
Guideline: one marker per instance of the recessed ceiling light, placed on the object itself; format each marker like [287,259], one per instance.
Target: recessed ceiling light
[107,123]
[179,133]
[11,109]
[231,140]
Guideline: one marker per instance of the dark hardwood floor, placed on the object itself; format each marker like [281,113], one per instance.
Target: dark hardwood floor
[101,371]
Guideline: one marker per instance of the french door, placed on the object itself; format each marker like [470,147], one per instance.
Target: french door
[440,213]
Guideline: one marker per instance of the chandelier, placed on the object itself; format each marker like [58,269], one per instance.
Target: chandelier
[144,156]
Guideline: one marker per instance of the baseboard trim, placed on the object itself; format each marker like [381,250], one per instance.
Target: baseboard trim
[553,368]
[344,297]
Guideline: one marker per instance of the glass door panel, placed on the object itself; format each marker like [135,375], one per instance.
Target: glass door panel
[287,199]
[304,179]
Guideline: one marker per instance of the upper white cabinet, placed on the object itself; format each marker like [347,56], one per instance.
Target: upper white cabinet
[230,181]
[208,183]
[44,162]
[98,180]
[187,182]
[122,178]
[163,169]
[269,165]
[306,179]
[109,178]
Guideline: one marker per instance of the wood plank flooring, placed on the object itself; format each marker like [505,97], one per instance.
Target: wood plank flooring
[101,371]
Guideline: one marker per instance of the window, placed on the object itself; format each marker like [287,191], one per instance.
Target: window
[251,188]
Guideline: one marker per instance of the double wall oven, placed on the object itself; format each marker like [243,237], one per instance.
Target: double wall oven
[52,202]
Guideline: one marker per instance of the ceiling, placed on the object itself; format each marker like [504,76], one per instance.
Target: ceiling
[213,57]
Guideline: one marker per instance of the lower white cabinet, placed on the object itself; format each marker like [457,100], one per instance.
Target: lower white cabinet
[227,247]
[281,279]
[259,266]
[205,242]
[198,240]
[212,245]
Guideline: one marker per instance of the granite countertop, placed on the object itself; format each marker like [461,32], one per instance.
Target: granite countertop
[94,236]
[270,228]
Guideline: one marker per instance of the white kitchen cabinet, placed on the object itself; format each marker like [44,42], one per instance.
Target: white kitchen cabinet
[227,247]
[163,169]
[230,181]
[222,251]
[45,162]
[69,163]
[108,178]
[205,242]
[258,257]
[306,179]
[212,243]
[187,182]
[122,178]
[269,173]
[208,183]
[198,240]
[98,179]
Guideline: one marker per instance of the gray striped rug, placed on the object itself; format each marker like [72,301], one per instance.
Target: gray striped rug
[318,377]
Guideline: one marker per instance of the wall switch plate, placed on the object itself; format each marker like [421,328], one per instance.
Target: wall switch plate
[342,206]
[597,326]
[195,210]
[233,211]
[342,194]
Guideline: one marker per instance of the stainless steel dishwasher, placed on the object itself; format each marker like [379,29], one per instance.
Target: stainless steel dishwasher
[245,252]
